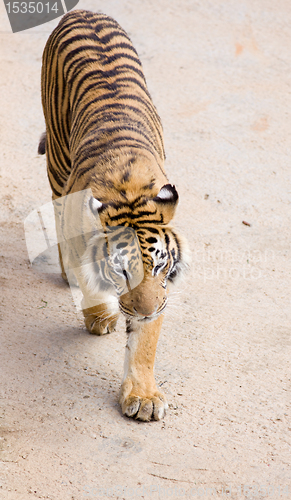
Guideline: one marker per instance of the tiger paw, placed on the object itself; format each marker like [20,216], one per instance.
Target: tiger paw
[98,326]
[98,322]
[145,407]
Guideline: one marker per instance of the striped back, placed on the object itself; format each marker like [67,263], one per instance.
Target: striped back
[96,103]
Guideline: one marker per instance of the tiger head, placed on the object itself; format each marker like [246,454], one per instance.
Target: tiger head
[137,254]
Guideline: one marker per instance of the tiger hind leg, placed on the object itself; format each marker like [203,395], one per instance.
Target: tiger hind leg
[64,274]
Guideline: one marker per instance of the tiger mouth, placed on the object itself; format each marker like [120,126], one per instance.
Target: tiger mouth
[139,317]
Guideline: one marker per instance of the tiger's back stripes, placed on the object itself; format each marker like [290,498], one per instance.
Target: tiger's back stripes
[104,143]
[95,99]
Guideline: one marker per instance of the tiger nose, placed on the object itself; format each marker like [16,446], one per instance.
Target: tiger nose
[145,307]
[145,313]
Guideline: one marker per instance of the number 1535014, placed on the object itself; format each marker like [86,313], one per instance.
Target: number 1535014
[31,7]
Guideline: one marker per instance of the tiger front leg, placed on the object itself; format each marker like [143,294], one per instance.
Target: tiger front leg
[139,396]
[101,318]
[100,310]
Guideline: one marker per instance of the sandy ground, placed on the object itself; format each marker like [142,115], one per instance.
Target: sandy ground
[219,74]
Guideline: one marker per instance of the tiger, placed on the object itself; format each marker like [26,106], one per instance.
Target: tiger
[104,138]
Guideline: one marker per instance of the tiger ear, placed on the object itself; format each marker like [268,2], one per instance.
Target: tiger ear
[168,194]
[95,205]
[167,199]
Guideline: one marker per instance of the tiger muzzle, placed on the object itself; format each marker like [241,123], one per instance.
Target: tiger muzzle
[146,300]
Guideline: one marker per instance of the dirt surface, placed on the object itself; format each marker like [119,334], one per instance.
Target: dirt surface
[219,74]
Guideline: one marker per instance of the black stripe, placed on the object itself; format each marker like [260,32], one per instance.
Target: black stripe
[115,143]
[102,82]
[78,38]
[114,33]
[130,215]
[150,229]
[178,245]
[155,221]
[119,45]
